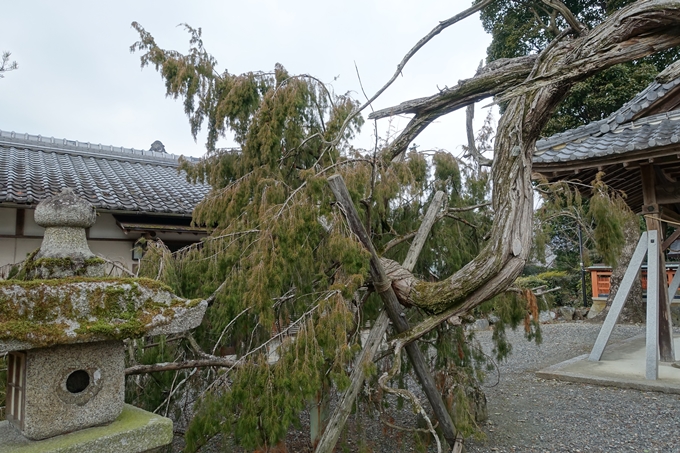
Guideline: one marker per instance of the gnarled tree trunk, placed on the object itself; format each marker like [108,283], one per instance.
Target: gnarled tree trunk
[639,30]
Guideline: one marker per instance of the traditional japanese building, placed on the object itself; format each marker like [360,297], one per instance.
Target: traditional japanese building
[637,150]
[137,193]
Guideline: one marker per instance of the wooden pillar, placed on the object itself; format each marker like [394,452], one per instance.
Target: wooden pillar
[375,336]
[651,210]
[394,309]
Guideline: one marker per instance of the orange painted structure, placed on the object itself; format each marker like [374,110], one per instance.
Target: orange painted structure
[600,277]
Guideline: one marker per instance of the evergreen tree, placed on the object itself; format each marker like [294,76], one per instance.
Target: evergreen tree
[524,27]
[281,257]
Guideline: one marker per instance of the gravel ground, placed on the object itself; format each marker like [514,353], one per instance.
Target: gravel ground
[528,414]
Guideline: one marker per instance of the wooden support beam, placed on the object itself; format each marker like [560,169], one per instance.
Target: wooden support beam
[671,217]
[19,222]
[394,309]
[620,299]
[337,420]
[667,243]
[651,208]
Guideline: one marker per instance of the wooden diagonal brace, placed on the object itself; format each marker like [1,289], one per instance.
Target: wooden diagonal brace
[394,309]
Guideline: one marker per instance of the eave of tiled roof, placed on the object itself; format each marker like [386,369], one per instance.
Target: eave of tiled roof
[626,130]
[649,132]
[113,179]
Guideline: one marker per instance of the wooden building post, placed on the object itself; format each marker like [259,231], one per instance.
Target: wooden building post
[650,210]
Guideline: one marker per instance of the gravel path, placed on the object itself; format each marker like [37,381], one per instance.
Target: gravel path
[528,414]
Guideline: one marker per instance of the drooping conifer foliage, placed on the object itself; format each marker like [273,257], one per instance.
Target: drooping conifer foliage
[280,259]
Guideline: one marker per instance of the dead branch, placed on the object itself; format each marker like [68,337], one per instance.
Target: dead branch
[398,240]
[638,30]
[494,78]
[417,407]
[560,7]
[461,220]
[173,366]
[424,40]
[337,420]
[469,208]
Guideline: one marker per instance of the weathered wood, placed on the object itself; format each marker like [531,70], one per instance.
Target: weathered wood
[339,417]
[393,308]
[672,238]
[424,230]
[651,208]
[493,79]
[620,299]
[637,30]
[173,366]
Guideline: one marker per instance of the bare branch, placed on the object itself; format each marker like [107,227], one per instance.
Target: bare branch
[471,146]
[469,208]
[496,77]
[6,65]
[461,220]
[398,240]
[576,26]
[173,366]
[417,406]
[424,40]
[493,79]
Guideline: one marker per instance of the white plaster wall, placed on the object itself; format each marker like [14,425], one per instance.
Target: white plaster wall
[106,227]
[30,227]
[8,218]
[120,251]
[25,247]
[7,251]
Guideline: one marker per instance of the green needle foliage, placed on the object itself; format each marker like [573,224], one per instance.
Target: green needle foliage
[281,260]
[602,215]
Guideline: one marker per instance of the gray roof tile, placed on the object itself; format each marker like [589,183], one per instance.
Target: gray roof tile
[111,178]
[605,137]
[657,130]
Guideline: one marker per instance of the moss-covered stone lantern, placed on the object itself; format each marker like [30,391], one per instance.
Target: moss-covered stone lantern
[62,326]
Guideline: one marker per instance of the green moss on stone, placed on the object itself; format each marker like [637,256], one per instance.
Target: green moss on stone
[135,428]
[115,308]
[130,328]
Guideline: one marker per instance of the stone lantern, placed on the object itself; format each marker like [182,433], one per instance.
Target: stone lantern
[62,325]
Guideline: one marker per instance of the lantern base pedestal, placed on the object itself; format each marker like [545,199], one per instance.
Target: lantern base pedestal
[134,431]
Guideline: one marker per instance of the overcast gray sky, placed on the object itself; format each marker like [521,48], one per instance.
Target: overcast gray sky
[78,80]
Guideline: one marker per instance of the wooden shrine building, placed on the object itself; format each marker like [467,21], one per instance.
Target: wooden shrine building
[638,150]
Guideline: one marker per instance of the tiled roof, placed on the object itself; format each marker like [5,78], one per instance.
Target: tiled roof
[616,134]
[111,178]
[650,132]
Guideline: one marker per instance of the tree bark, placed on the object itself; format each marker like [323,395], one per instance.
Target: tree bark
[173,366]
[633,32]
